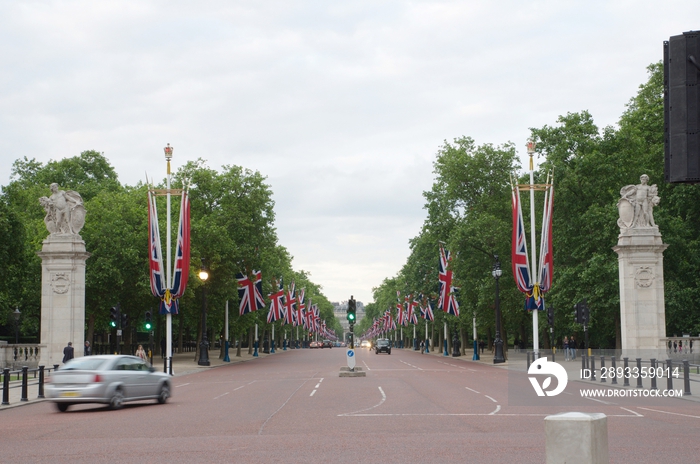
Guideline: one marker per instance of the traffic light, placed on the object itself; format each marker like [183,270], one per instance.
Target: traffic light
[352,307]
[114,316]
[682,108]
[577,313]
[125,321]
[147,321]
[585,313]
[550,316]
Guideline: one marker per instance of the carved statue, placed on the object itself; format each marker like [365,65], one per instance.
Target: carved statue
[637,203]
[65,213]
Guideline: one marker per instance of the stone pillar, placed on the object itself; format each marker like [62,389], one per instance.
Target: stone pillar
[641,270]
[62,296]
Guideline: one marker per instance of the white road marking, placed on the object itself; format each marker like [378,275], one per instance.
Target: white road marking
[367,409]
[312,393]
[487,396]
[366,366]
[317,385]
[238,388]
[470,414]
[633,412]
[223,394]
[498,408]
[283,405]
[415,367]
[599,401]
[181,385]
[472,390]
[672,413]
[320,380]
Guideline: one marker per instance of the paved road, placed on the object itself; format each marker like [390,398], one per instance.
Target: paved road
[293,407]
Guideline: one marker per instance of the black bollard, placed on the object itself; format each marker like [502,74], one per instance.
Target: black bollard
[24,383]
[602,369]
[592,359]
[625,370]
[653,377]
[669,374]
[6,386]
[639,371]
[528,361]
[41,382]
[686,378]
[583,362]
[614,370]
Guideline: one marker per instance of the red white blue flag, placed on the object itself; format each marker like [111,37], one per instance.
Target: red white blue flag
[159,287]
[250,292]
[412,317]
[301,308]
[546,251]
[276,305]
[521,264]
[447,300]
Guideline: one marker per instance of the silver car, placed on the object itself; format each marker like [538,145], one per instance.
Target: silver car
[108,379]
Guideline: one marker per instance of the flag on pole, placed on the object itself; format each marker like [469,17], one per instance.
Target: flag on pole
[250,292]
[521,263]
[276,305]
[447,302]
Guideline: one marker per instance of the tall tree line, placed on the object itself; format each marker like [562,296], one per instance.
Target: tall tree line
[468,208]
[232,229]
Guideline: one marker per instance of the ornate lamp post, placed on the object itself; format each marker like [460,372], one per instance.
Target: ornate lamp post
[17,314]
[204,345]
[498,343]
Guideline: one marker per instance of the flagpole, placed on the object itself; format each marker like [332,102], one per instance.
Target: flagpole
[272,343]
[445,344]
[476,343]
[533,250]
[427,350]
[168,283]
[255,342]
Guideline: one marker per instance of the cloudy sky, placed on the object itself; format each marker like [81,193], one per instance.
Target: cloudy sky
[341,104]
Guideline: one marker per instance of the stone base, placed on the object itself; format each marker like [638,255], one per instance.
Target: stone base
[576,437]
[346,372]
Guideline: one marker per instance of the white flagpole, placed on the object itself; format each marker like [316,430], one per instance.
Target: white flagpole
[533,250]
[168,283]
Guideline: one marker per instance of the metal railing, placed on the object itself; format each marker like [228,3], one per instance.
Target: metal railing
[22,381]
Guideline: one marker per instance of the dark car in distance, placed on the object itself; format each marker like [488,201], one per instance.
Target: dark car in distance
[327,344]
[382,346]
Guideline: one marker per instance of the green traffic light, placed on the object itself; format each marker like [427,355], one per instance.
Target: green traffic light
[351,317]
[113,324]
[148,326]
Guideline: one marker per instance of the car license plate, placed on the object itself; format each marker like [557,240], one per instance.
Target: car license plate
[69,394]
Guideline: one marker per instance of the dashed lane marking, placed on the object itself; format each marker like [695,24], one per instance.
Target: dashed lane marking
[472,390]
[223,394]
[487,396]
[671,413]
[367,409]
[312,393]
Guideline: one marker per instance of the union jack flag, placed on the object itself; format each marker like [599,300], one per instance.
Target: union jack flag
[159,287]
[301,308]
[411,313]
[427,311]
[276,305]
[546,252]
[250,292]
[521,264]
[290,306]
[447,302]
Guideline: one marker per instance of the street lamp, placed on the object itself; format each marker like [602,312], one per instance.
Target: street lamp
[16,313]
[204,345]
[498,343]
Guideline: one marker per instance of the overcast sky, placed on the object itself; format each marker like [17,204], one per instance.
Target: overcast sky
[341,104]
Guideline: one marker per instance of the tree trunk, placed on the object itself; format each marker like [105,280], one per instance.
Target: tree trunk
[250,340]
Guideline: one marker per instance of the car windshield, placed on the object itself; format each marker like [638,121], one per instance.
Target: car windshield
[382,342]
[86,363]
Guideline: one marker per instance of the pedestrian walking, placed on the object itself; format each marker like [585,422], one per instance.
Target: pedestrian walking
[141,353]
[422,350]
[68,352]
[572,347]
[565,346]
[88,349]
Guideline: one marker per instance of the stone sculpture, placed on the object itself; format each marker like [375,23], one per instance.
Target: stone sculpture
[637,203]
[65,213]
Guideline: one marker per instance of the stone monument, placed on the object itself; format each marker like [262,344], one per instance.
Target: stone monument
[63,259]
[640,257]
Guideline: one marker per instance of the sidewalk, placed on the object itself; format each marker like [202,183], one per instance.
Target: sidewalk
[183,363]
[517,361]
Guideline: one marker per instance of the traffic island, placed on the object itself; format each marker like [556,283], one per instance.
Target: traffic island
[357,372]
